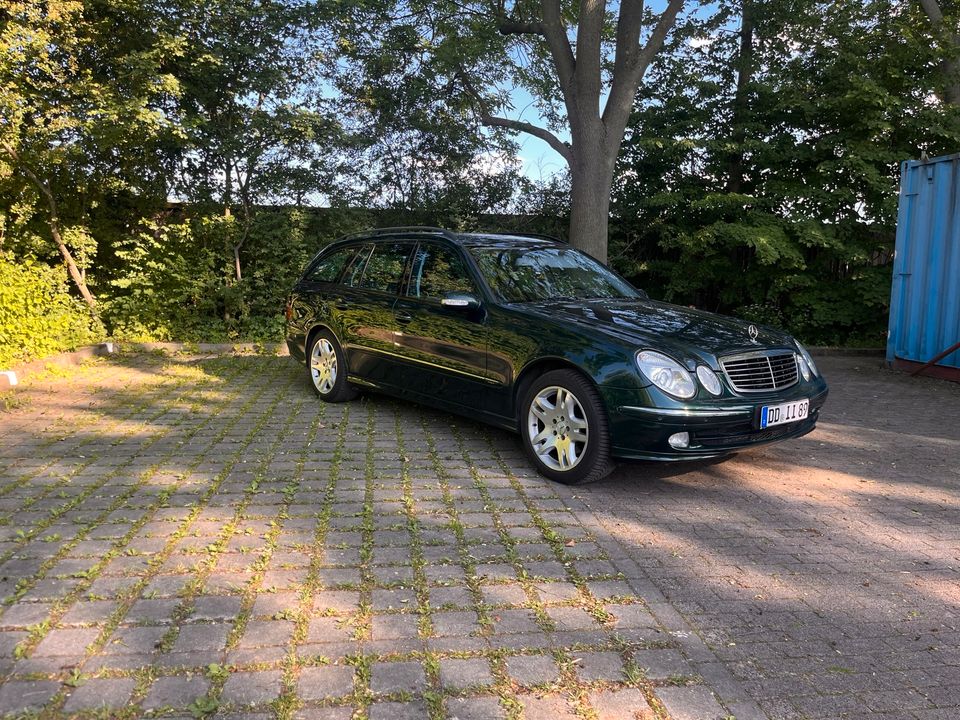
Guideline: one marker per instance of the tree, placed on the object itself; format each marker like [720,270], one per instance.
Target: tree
[583,76]
[945,32]
[80,92]
[760,171]
[255,127]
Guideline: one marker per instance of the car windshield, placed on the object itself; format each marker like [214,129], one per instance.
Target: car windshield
[531,274]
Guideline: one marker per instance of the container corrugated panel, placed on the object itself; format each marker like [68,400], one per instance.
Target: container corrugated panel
[925,299]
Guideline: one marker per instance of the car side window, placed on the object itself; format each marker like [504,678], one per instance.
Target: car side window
[328,269]
[384,268]
[437,271]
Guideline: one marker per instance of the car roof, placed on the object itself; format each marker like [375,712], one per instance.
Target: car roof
[472,239]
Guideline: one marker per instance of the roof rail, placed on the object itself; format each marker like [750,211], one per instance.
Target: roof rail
[401,229]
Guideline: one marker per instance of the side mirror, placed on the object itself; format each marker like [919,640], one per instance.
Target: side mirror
[460,301]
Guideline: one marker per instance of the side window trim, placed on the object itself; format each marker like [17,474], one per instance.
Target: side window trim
[359,260]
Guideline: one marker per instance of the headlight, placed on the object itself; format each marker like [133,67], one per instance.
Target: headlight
[667,374]
[708,378]
[809,360]
[804,367]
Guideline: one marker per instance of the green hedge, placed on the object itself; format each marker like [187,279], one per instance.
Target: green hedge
[38,316]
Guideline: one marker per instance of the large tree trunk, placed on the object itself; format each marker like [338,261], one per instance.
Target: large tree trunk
[951,65]
[591,177]
[741,99]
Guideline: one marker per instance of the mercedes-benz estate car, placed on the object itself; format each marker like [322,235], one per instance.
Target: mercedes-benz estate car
[531,335]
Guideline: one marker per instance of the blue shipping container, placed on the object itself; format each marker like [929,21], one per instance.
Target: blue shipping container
[925,299]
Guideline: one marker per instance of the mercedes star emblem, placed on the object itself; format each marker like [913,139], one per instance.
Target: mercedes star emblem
[753,332]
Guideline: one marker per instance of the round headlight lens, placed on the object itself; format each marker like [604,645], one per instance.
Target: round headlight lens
[804,367]
[708,378]
[667,374]
[809,360]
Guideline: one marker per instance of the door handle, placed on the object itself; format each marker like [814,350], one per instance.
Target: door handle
[404,317]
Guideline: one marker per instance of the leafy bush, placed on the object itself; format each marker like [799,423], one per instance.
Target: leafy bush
[38,316]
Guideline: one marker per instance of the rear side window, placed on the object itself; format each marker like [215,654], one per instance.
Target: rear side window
[328,269]
[384,268]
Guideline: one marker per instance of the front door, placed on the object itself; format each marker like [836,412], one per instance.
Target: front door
[442,349]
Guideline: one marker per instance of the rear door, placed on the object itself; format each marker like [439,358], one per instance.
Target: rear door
[442,349]
[364,307]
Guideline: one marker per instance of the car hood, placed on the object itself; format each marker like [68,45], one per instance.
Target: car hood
[683,331]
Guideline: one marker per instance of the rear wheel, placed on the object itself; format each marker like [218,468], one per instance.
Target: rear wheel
[564,428]
[327,369]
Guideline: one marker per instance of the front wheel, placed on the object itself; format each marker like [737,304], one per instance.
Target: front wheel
[327,369]
[564,428]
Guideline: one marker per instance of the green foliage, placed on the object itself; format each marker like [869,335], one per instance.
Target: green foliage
[37,314]
[775,197]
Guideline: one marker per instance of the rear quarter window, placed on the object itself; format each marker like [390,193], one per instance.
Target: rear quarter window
[329,268]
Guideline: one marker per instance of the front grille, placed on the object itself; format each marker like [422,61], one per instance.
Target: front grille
[743,438]
[761,371]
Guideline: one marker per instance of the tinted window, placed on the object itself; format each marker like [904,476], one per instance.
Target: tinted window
[437,271]
[384,268]
[351,277]
[328,269]
[529,274]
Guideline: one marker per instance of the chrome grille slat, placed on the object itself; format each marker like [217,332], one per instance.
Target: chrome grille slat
[761,371]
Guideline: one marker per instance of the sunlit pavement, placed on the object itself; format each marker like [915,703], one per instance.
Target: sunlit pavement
[190,537]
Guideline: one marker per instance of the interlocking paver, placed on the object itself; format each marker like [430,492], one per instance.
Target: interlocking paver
[456,673]
[621,704]
[100,693]
[175,692]
[808,579]
[599,666]
[532,669]
[317,683]
[392,677]
[474,708]
[246,688]
[691,703]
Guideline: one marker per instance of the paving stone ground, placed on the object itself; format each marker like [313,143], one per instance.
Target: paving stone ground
[200,537]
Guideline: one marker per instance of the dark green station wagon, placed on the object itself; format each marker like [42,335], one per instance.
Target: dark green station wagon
[530,335]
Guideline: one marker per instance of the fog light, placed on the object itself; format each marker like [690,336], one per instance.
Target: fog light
[679,440]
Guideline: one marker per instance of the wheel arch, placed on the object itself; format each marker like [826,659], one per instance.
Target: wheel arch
[312,333]
[537,368]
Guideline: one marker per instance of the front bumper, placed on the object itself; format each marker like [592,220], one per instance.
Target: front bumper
[640,431]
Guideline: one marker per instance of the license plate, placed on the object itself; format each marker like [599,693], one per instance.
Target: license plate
[784,413]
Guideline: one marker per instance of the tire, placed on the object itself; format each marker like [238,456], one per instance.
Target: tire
[567,441]
[327,369]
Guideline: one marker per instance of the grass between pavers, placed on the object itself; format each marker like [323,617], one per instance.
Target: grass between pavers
[37,633]
[145,677]
[387,447]
[24,536]
[288,701]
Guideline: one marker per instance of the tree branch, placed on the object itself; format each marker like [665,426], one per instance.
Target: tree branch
[556,36]
[548,137]
[628,34]
[54,223]
[510,27]
[625,85]
[487,118]
[933,11]
[950,66]
[589,30]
